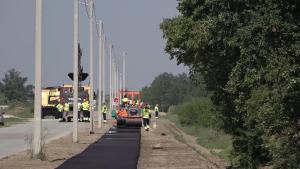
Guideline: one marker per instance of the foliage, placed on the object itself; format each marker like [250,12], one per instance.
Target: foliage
[167,89]
[197,117]
[249,55]
[197,112]
[13,87]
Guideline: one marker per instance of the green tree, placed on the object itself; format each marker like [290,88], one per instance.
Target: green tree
[248,53]
[14,88]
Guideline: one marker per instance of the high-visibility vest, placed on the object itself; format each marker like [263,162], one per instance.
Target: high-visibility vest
[67,107]
[125,100]
[85,105]
[146,114]
[59,107]
[104,109]
[156,109]
[79,106]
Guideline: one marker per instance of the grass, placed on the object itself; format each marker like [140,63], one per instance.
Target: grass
[11,121]
[218,142]
[21,113]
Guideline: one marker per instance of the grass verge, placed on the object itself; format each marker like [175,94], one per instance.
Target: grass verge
[217,142]
[11,121]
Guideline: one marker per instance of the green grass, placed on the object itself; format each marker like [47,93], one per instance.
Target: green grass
[11,121]
[207,137]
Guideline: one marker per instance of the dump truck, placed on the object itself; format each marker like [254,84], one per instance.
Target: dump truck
[130,114]
[51,96]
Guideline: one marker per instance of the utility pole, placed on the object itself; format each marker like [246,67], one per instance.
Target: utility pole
[100,37]
[75,73]
[124,54]
[110,77]
[103,66]
[38,68]
[91,67]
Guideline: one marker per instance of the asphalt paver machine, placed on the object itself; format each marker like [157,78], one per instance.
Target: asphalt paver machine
[129,114]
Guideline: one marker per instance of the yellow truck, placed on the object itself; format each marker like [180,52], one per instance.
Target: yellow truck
[51,96]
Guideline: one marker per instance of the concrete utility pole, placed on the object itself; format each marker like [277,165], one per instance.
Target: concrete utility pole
[110,78]
[91,67]
[75,72]
[100,37]
[103,66]
[124,54]
[38,70]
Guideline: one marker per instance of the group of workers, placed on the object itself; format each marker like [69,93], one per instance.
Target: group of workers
[83,111]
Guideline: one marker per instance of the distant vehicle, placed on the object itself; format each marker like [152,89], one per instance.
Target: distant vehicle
[51,96]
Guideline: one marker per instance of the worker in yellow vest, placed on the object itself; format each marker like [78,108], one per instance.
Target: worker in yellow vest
[85,109]
[125,101]
[60,109]
[104,112]
[146,117]
[156,111]
[66,111]
[80,115]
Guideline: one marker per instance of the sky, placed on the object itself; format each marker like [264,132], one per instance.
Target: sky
[130,25]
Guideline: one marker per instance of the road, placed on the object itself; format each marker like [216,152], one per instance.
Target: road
[16,138]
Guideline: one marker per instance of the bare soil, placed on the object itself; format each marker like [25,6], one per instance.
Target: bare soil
[167,147]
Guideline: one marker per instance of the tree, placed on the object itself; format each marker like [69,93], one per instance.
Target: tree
[14,87]
[248,53]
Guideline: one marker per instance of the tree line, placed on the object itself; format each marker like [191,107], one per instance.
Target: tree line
[168,89]
[248,53]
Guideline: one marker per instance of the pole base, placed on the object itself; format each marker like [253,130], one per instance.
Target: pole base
[92,132]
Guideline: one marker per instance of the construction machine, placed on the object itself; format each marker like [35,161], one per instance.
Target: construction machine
[51,96]
[129,114]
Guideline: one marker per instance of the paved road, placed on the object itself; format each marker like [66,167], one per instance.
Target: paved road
[117,149]
[13,139]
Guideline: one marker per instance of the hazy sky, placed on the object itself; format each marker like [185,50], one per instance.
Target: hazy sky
[131,25]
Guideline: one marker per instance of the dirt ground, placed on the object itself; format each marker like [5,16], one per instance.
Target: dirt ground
[167,147]
[163,147]
[56,151]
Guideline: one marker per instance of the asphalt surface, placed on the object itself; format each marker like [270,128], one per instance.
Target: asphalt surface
[117,149]
[16,138]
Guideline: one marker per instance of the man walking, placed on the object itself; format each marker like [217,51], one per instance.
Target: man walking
[85,109]
[156,111]
[66,111]
[146,117]
[104,111]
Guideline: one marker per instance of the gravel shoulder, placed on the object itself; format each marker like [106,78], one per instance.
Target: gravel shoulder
[167,147]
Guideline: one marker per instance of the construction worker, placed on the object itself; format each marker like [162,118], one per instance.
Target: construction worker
[146,117]
[104,111]
[156,111]
[66,111]
[124,101]
[60,109]
[80,115]
[85,109]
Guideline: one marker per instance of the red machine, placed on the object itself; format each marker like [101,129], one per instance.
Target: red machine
[129,113]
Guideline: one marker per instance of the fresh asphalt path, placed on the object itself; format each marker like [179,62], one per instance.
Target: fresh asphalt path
[14,139]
